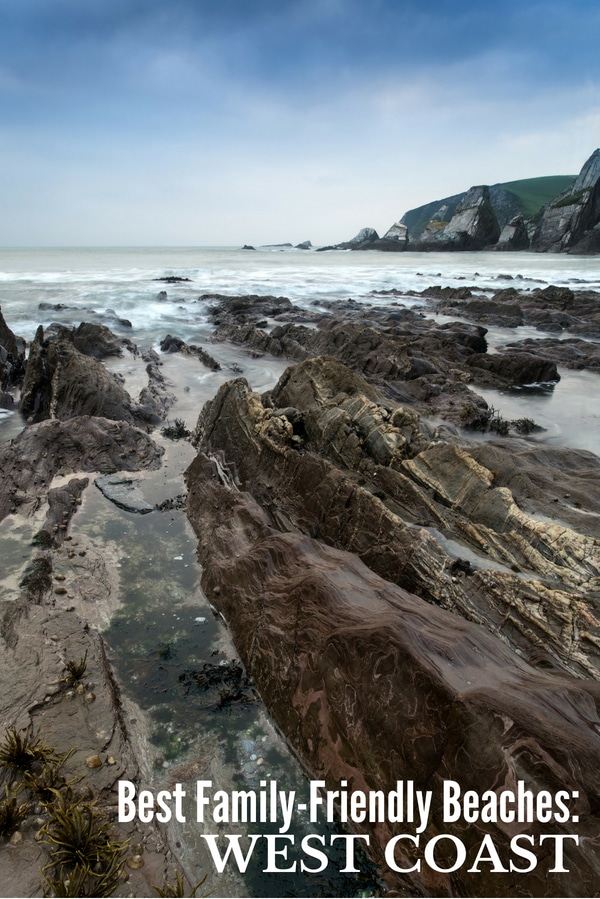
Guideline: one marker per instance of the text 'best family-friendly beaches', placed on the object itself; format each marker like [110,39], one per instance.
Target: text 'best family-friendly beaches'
[404,805]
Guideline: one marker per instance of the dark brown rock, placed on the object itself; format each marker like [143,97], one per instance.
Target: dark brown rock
[12,359]
[62,382]
[571,352]
[515,368]
[331,458]
[30,461]
[63,502]
[96,340]
[372,685]
[172,344]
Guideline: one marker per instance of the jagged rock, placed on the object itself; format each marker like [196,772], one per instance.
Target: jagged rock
[7,400]
[505,203]
[472,227]
[305,245]
[394,240]
[397,232]
[372,684]
[514,235]
[492,312]
[359,473]
[422,363]
[589,244]
[549,309]
[96,340]
[567,220]
[30,461]
[12,358]
[246,308]
[172,344]
[61,382]
[364,238]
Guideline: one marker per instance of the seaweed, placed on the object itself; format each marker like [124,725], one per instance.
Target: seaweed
[12,813]
[85,859]
[76,669]
[20,753]
[178,888]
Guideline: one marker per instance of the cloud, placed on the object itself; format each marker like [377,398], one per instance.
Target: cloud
[144,122]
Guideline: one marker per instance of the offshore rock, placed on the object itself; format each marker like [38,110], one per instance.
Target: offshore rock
[330,457]
[362,240]
[172,344]
[374,685]
[394,240]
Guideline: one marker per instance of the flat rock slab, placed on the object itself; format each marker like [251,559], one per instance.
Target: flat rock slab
[124,492]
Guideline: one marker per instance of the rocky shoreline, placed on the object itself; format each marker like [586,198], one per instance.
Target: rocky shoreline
[410,603]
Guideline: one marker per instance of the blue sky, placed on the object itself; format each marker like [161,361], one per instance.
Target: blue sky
[227,122]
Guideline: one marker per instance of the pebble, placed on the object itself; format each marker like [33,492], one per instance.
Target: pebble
[93,761]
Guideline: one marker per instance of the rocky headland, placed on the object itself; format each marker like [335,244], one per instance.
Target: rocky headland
[502,217]
[411,603]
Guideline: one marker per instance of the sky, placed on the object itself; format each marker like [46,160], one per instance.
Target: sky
[187,122]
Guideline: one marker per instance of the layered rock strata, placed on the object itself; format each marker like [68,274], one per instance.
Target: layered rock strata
[570,218]
[332,458]
[472,227]
[429,366]
[62,382]
[373,685]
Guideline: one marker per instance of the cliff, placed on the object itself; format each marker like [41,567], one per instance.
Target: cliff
[556,214]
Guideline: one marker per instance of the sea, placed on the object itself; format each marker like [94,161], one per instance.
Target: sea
[105,284]
[164,630]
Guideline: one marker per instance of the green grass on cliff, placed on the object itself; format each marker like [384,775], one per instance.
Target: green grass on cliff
[536,192]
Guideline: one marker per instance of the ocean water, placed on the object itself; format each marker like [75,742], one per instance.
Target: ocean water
[164,626]
[110,283]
